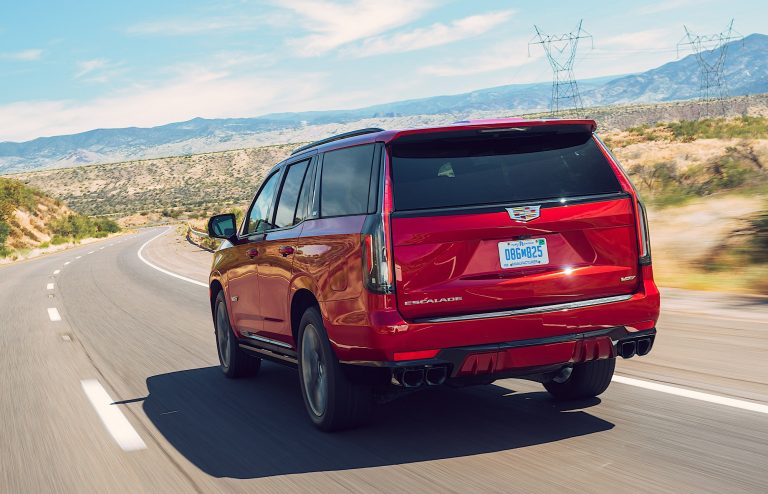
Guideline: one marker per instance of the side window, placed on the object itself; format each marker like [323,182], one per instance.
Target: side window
[261,210]
[344,185]
[289,194]
[301,207]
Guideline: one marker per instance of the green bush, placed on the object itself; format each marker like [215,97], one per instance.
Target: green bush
[44,245]
[58,240]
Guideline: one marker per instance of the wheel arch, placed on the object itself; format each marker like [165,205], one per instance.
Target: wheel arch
[302,299]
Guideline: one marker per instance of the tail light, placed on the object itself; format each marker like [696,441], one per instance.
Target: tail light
[645,239]
[377,261]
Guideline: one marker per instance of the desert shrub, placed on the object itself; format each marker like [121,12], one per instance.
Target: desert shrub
[44,245]
[5,231]
[77,226]
[100,234]
[58,240]
[665,184]
[758,237]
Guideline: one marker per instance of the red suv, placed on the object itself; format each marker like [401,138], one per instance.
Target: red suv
[379,261]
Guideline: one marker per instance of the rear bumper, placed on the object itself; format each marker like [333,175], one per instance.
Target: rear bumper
[367,333]
[524,357]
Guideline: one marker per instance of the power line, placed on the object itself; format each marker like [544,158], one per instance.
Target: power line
[710,51]
[561,53]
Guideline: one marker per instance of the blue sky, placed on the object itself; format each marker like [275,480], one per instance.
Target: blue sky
[67,67]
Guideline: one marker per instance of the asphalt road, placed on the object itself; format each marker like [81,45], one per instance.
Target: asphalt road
[172,423]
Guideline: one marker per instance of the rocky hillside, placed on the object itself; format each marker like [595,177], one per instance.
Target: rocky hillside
[29,218]
[194,183]
[746,72]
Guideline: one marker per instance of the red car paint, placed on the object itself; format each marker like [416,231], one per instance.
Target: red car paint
[448,290]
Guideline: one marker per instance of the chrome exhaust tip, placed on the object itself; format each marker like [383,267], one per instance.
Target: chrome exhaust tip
[412,378]
[435,376]
[644,346]
[628,349]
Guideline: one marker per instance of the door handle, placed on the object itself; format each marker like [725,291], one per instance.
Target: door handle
[252,253]
[286,250]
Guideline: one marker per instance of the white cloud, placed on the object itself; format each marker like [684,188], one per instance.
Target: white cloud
[87,66]
[333,25]
[498,58]
[24,55]
[435,35]
[196,92]
[638,40]
[185,27]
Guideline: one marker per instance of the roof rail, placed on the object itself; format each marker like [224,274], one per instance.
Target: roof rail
[354,133]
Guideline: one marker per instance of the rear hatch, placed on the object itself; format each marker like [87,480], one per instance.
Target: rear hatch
[495,219]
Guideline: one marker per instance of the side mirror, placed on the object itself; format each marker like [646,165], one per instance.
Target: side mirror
[222,226]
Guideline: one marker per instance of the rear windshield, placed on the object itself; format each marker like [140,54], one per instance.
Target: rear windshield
[500,167]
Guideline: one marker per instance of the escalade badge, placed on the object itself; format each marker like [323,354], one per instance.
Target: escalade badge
[433,300]
[524,213]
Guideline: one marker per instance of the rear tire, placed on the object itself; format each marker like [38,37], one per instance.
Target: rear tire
[331,400]
[587,380]
[233,361]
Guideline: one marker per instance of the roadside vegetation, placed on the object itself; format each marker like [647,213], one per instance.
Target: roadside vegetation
[706,182]
[30,219]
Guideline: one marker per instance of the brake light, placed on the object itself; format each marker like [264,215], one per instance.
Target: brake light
[376,260]
[645,239]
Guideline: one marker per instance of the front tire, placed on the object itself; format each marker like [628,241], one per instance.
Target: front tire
[587,380]
[233,361]
[331,400]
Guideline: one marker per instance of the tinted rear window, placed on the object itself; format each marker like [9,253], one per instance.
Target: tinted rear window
[345,181]
[503,167]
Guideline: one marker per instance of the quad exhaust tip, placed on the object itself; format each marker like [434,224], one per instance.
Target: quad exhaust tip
[419,376]
[628,349]
[644,346]
[412,378]
[639,347]
[435,376]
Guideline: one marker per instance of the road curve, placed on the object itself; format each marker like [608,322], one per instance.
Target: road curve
[131,341]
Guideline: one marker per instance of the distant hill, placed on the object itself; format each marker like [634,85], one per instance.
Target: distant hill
[746,72]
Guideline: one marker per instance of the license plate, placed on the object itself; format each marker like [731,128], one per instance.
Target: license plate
[521,253]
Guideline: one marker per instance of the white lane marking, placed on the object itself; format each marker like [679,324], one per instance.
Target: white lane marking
[57,271]
[91,252]
[696,395]
[112,417]
[169,273]
[53,314]
[78,257]
[49,286]
[101,248]
[67,262]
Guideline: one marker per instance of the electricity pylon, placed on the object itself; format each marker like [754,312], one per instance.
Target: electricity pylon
[561,53]
[710,51]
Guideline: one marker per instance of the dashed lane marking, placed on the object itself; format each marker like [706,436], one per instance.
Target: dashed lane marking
[53,314]
[49,286]
[112,417]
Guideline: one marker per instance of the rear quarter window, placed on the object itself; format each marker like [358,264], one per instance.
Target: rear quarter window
[345,180]
[467,170]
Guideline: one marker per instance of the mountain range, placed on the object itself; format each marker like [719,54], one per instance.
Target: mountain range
[745,70]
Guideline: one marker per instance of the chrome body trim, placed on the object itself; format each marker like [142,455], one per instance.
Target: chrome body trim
[528,310]
[252,336]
